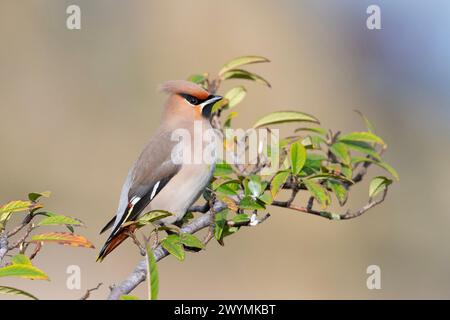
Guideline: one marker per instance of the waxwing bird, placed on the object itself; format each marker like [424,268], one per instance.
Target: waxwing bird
[155,181]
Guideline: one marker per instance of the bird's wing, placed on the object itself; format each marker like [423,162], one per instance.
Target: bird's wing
[148,176]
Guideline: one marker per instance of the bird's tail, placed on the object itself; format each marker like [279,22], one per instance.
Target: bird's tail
[114,240]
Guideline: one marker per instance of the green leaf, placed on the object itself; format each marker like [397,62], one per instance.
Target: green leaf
[278,181]
[340,150]
[128,297]
[173,245]
[34,196]
[318,192]
[254,185]
[219,105]
[59,220]
[190,240]
[235,96]
[220,223]
[12,207]
[250,204]
[298,157]
[318,130]
[52,214]
[347,171]
[339,190]
[197,78]
[381,164]
[363,147]
[153,216]
[241,218]
[266,198]
[362,136]
[312,142]
[172,229]
[223,169]
[284,117]
[227,122]
[314,161]
[246,75]
[16,292]
[369,124]
[377,185]
[23,271]
[229,188]
[152,275]
[15,206]
[329,176]
[21,259]
[240,61]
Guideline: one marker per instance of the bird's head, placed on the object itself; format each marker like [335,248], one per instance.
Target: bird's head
[188,100]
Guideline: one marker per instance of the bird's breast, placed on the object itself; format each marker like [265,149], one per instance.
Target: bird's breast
[183,190]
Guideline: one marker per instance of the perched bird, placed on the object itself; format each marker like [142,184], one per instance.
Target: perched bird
[155,181]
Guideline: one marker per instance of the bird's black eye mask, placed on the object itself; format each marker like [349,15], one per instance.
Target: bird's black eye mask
[194,100]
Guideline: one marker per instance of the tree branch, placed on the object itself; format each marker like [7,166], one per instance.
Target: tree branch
[329,215]
[369,205]
[140,272]
[22,238]
[3,246]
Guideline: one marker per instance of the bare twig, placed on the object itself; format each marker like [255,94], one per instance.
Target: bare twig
[363,171]
[369,205]
[24,223]
[333,216]
[88,292]
[141,248]
[36,250]
[22,239]
[310,203]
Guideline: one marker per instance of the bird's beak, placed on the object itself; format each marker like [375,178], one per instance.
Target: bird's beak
[208,104]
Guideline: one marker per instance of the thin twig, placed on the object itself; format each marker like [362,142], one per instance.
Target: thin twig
[369,205]
[24,223]
[333,216]
[132,235]
[88,292]
[36,250]
[310,203]
[22,238]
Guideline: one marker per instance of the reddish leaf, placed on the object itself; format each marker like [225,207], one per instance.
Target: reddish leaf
[64,238]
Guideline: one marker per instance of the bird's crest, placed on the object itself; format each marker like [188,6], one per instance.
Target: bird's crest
[186,87]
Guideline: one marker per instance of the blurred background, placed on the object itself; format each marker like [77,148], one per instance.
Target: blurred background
[77,106]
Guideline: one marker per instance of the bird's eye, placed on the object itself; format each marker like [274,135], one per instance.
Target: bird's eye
[191,99]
